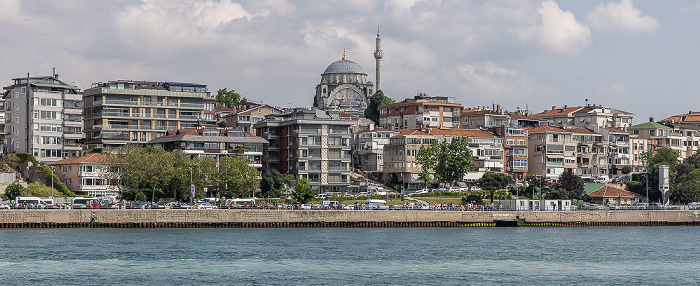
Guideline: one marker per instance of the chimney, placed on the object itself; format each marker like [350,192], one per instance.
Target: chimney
[690,112]
[554,107]
[565,106]
[651,119]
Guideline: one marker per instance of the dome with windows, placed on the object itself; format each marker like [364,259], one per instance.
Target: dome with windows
[344,66]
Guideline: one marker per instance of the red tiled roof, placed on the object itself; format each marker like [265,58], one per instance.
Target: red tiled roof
[461,132]
[686,117]
[612,192]
[615,130]
[90,158]
[583,130]
[558,111]
[542,129]
[409,133]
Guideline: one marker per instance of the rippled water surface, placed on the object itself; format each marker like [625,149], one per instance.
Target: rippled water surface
[352,256]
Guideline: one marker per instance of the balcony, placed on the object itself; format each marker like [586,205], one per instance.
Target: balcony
[141,103]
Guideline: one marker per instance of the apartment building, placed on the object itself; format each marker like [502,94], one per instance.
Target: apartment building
[515,149]
[421,112]
[591,152]
[43,116]
[245,119]
[619,152]
[588,115]
[369,149]
[400,157]
[214,142]
[486,148]
[551,151]
[121,112]
[85,175]
[638,147]
[310,144]
[482,117]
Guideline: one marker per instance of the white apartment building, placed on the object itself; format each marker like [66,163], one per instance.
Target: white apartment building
[43,116]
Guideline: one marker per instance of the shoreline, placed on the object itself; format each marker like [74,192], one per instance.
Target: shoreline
[337,218]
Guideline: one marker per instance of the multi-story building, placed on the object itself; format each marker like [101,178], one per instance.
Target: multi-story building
[551,151]
[214,142]
[43,116]
[483,117]
[421,112]
[587,116]
[85,175]
[310,144]
[619,153]
[369,149]
[638,147]
[486,148]
[121,112]
[591,152]
[245,119]
[515,149]
[400,157]
[663,135]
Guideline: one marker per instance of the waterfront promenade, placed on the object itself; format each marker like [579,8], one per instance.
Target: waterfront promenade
[338,218]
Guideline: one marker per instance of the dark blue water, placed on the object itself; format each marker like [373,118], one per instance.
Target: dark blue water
[352,256]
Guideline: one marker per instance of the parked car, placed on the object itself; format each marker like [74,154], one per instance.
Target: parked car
[305,207]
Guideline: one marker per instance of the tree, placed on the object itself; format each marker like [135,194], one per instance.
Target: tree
[302,191]
[39,190]
[572,183]
[449,160]
[229,98]
[425,177]
[492,181]
[59,187]
[14,190]
[375,101]
[662,156]
[274,183]
[626,169]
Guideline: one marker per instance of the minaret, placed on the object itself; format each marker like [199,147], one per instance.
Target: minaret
[378,54]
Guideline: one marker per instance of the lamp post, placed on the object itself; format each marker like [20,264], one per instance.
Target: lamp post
[52,195]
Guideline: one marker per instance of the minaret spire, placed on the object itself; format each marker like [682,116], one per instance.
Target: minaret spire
[378,54]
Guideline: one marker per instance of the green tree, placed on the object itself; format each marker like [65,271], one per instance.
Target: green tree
[229,98]
[626,169]
[302,191]
[662,156]
[274,183]
[572,183]
[375,101]
[557,194]
[425,177]
[60,188]
[492,181]
[14,190]
[449,160]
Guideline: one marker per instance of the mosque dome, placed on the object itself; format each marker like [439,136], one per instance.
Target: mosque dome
[344,66]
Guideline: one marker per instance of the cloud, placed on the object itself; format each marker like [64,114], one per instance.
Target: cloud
[621,17]
[558,31]
[488,79]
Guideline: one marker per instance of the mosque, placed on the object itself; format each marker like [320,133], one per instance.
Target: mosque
[344,85]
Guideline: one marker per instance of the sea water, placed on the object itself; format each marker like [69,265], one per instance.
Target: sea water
[352,256]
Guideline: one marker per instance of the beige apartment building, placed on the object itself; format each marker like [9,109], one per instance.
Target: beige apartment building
[421,112]
[551,151]
[85,175]
[400,157]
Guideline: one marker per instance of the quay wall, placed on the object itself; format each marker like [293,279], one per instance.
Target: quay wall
[339,218]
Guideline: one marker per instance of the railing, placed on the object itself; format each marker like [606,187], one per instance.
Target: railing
[131,127]
[129,102]
[137,115]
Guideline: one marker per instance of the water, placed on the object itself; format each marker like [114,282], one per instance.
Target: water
[352,256]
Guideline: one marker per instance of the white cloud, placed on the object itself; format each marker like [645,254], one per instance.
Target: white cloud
[10,12]
[488,79]
[558,31]
[621,17]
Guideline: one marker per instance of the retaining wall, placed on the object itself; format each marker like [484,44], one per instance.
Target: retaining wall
[328,218]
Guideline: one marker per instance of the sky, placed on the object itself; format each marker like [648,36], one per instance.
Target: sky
[637,56]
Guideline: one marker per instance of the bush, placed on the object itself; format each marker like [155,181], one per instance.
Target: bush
[14,190]
[24,157]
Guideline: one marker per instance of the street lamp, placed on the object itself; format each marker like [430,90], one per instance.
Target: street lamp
[191,185]
[52,195]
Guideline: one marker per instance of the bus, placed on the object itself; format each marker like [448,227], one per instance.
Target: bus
[240,203]
[28,202]
[377,205]
[84,203]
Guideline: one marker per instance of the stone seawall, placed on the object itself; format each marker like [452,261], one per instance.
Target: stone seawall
[329,218]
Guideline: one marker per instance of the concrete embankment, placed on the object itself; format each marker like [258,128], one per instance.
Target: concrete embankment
[328,218]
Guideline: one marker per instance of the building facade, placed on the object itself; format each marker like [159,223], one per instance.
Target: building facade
[369,149]
[310,144]
[400,157]
[245,119]
[421,112]
[121,112]
[214,142]
[515,149]
[551,151]
[43,116]
[85,175]
[587,116]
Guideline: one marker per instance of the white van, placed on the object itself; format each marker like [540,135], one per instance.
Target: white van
[377,205]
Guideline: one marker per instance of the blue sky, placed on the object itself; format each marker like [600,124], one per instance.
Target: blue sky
[638,56]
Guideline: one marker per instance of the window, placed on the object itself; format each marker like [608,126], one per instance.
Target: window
[522,142]
[510,141]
